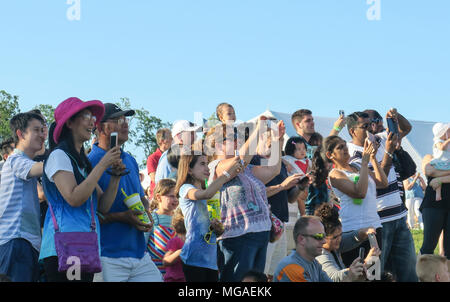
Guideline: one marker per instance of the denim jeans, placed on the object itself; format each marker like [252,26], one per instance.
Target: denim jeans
[398,255]
[19,261]
[435,221]
[241,255]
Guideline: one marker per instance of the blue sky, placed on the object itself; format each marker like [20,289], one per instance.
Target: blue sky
[177,57]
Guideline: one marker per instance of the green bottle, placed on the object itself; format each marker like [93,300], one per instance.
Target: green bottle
[357,201]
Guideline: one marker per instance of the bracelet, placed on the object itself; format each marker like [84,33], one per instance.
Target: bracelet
[390,154]
[337,128]
[227,175]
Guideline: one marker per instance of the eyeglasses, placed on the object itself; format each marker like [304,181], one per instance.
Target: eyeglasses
[208,236]
[121,121]
[317,236]
[89,117]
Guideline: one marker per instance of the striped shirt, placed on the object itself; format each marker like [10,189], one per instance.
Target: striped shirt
[19,203]
[389,203]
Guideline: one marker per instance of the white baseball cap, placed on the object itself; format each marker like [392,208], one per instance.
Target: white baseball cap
[184,126]
[439,129]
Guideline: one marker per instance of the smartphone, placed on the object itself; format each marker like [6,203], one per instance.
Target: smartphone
[371,137]
[361,254]
[113,140]
[341,112]
[373,240]
[392,125]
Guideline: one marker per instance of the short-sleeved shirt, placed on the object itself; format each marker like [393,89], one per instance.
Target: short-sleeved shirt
[415,192]
[174,272]
[69,219]
[295,268]
[389,202]
[19,203]
[152,165]
[196,251]
[243,203]
[120,239]
[164,169]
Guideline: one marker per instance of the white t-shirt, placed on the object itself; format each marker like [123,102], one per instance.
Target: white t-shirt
[58,161]
[389,203]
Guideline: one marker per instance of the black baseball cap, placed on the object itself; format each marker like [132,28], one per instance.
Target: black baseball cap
[112,111]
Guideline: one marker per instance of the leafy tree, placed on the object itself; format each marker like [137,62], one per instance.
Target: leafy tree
[47,111]
[142,130]
[9,106]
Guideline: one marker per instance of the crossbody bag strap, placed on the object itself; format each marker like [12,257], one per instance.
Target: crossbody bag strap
[93,224]
[55,224]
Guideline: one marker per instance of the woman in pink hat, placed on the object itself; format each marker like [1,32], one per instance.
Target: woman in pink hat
[70,182]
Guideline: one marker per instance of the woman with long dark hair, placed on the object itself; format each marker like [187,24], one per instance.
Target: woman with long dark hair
[70,182]
[355,188]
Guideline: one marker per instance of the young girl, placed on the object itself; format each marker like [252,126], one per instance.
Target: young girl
[295,151]
[171,260]
[199,253]
[162,208]
[225,113]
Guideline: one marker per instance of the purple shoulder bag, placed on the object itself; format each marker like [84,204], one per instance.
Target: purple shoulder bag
[83,245]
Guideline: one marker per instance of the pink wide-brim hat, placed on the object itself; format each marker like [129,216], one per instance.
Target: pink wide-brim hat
[72,106]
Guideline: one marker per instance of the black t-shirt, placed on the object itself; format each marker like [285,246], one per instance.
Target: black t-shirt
[429,200]
[278,202]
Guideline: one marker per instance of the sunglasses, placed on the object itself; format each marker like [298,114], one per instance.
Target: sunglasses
[317,236]
[208,236]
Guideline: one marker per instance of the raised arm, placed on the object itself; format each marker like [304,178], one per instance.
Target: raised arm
[267,173]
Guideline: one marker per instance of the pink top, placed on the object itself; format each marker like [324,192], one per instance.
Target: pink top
[174,272]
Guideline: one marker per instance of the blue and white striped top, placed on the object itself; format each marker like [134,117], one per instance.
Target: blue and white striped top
[19,203]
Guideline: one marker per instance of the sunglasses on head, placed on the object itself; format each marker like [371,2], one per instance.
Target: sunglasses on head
[317,236]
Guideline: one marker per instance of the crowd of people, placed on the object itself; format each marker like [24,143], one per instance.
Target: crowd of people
[232,202]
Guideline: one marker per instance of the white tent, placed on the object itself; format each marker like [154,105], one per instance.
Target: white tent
[417,143]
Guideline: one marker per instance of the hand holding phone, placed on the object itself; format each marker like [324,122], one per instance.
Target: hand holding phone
[392,125]
[361,254]
[113,141]
[373,240]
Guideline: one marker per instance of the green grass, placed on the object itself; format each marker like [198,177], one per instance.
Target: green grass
[418,239]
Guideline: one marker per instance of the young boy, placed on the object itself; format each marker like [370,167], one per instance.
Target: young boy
[20,231]
[432,268]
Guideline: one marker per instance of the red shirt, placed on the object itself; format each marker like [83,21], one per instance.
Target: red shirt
[152,164]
